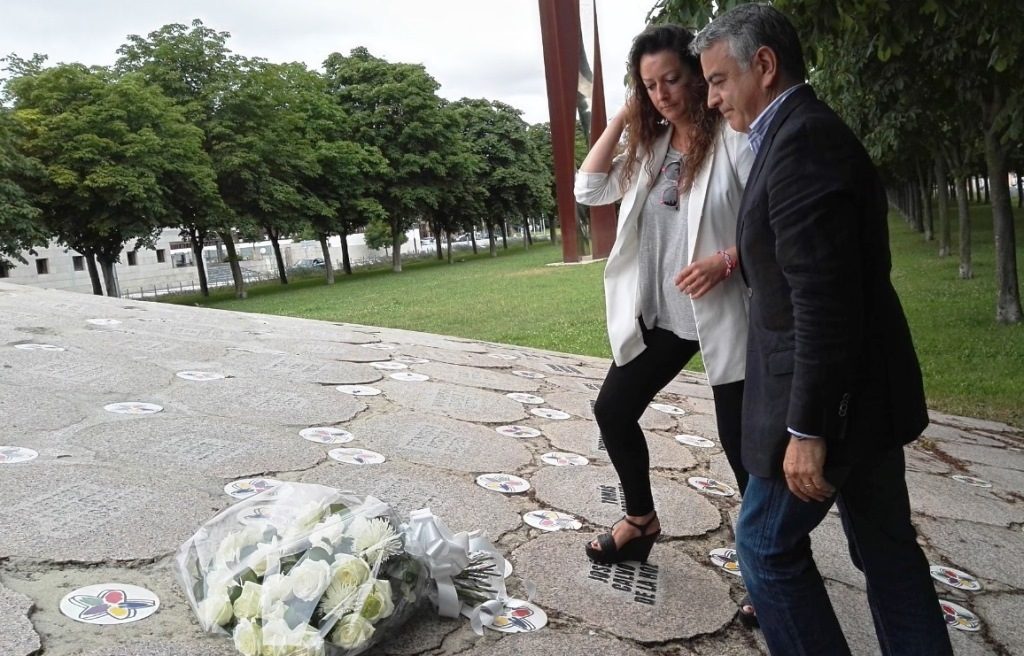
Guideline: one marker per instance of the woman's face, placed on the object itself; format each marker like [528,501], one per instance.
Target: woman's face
[666,80]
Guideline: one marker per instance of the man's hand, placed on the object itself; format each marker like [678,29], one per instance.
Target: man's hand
[804,467]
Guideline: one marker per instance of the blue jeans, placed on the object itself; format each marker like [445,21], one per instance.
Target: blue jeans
[788,592]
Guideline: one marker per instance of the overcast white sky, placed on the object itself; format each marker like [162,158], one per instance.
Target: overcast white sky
[473,48]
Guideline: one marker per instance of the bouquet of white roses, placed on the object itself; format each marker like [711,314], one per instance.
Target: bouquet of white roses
[308,570]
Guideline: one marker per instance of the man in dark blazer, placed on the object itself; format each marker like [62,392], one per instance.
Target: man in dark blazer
[833,388]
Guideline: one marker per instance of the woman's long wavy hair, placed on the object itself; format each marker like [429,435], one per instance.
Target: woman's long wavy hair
[644,123]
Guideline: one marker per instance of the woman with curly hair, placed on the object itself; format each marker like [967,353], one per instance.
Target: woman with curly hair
[670,288]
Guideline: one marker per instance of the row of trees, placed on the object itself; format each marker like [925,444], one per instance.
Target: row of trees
[936,90]
[183,133]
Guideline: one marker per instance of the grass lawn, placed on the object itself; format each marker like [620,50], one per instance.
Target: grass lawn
[971,365]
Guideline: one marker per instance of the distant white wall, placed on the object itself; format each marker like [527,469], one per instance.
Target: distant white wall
[142,270]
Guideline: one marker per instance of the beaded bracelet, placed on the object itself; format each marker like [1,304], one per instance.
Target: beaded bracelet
[730,263]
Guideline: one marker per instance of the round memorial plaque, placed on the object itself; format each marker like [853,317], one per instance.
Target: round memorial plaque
[551,520]
[109,603]
[955,578]
[504,483]
[971,480]
[562,459]
[549,413]
[326,435]
[199,375]
[355,456]
[710,486]
[522,397]
[532,375]
[519,616]
[38,347]
[10,455]
[726,559]
[518,431]
[389,365]
[133,408]
[958,617]
[668,409]
[409,377]
[248,487]
[358,390]
[695,440]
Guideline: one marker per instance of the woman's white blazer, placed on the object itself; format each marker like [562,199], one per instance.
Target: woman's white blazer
[713,206]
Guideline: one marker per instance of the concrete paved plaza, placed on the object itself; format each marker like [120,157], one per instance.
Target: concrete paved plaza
[110,495]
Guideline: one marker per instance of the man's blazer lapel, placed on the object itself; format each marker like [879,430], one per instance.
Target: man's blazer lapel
[796,99]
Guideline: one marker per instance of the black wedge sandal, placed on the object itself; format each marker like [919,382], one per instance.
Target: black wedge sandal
[638,548]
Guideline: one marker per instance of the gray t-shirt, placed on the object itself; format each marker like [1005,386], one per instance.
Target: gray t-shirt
[663,252]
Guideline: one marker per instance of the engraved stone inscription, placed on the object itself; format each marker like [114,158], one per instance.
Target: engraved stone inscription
[71,511]
[613,494]
[563,368]
[638,580]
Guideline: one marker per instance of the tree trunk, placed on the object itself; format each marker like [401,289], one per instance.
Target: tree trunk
[236,269]
[278,257]
[197,240]
[436,229]
[552,230]
[396,247]
[472,238]
[942,209]
[1008,309]
[984,183]
[917,207]
[109,277]
[527,239]
[975,192]
[490,239]
[504,234]
[448,236]
[328,265]
[94,274]
[963,212]
[925,185]
[346,262]
[1020,188]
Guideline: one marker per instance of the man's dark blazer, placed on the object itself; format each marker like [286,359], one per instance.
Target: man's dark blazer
[829,351]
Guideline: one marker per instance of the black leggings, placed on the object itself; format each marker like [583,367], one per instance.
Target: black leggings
[625,395]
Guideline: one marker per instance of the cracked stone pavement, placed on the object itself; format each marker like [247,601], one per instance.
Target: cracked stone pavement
[111,496]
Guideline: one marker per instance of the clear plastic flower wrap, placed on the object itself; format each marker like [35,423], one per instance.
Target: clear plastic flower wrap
[302,570]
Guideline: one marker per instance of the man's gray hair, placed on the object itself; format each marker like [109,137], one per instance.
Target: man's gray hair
[746,28]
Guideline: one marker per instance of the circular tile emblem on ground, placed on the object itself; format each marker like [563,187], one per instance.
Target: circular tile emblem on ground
[199,375]
[379,346]
[518,431]
[519,616]
[955,578]
[668,409]
[358,390]
[247,487]
[971,480]
[695,440]
[726,559]
[504,483]
[502,356]
[409,377]
[523,397]
[563,459]
[551,520]
[959,617]
[389,365]
[410,360]
[549,413]
[710,486]
[10,455]
[38,347]
[532,375]
[109,603]
[355,456]
[508,568]
[326,435]
[133,408]
[256,515]
[103,322]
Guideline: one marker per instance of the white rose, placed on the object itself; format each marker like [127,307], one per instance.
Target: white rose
[281,640]
[301,523]
[215,610]
[259,560]
[229,551]
[351,631]
[277,588]
[376,600]
[349,570]
[247,638]
[310,578]
[329,533]
[248,604]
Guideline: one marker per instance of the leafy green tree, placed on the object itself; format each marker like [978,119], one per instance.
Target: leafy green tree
[395,107]
[194,67]
[348,174]
[114,151]
[20,228]
[263,153]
